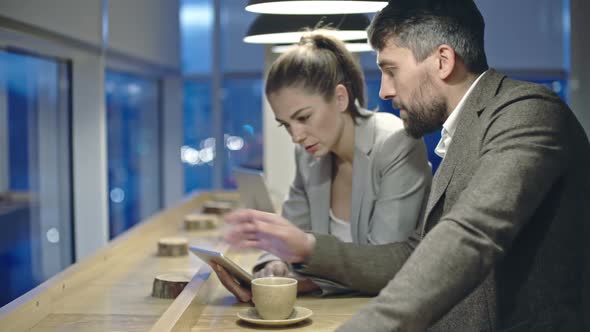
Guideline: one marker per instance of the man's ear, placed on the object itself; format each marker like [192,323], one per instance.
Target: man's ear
[341,95]
[445,61]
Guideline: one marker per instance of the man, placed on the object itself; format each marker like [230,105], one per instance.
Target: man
[503,245]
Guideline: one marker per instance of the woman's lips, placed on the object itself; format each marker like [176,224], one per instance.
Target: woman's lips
[311,148]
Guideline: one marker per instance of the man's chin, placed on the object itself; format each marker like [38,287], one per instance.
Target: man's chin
[413,134]
[417,132]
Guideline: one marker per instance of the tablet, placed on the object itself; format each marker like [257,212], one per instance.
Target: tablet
[208,256]
[253,191]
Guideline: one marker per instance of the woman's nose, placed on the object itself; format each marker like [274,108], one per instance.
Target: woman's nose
[297,134]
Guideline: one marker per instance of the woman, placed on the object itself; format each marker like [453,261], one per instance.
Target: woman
[358,177]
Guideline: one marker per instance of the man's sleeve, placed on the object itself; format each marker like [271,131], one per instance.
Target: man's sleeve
[363,268]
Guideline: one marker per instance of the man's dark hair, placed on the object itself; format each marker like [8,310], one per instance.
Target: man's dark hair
[423,25]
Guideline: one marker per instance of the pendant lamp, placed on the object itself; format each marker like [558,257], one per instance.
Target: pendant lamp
[288,29]
[353,46]
[306,7]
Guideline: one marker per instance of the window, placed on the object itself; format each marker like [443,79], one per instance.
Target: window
[134,157]
[198,150]
[35,178]
[242,126]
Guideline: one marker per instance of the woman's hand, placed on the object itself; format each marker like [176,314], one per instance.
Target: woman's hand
[242,293]
[281,269]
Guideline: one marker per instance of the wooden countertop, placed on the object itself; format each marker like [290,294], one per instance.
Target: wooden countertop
[111,290]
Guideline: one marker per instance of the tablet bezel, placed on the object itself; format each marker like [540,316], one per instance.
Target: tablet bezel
[243,277]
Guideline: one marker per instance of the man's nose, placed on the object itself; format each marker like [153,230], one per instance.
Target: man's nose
[387,89]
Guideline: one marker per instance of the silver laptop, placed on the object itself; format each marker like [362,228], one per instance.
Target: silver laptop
[253,191]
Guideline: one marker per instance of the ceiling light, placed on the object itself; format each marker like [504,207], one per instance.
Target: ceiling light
[288,29]
[305,7]
[354,46]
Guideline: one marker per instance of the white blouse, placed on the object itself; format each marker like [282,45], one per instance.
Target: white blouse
[340,228]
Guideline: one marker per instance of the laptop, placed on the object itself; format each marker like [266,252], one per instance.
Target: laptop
[253,191]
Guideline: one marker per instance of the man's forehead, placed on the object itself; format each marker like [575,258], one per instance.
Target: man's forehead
[389,53]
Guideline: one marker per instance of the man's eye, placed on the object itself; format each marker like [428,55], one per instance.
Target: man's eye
[388,71]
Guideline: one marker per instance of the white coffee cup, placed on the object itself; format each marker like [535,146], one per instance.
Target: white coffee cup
[274,297]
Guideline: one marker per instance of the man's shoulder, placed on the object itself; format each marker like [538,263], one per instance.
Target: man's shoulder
[513,90]
[524,99]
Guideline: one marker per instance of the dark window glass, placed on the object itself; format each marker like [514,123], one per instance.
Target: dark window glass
[133,144]
[242,126]
[198,150]
[36,239]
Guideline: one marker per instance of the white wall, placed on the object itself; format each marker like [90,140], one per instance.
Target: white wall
[523,35]
[279,161]
[580,67]
[146,29]
[172,122]
[76,19]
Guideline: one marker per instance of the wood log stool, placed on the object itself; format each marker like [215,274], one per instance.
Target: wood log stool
[217,207]
[169,286]
[197,221]
[173,246]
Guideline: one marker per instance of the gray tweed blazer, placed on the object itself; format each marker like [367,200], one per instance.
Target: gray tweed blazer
[504,243]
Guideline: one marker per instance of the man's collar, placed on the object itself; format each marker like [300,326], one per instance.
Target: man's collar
[451,123]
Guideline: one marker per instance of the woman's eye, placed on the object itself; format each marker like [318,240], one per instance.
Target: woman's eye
[303,118]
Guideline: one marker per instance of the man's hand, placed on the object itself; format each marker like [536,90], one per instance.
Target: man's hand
[269,232]
[275,269]
[281,269]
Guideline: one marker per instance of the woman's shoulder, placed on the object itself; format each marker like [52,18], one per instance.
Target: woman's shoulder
[387,123]
[388,130]
[391,139]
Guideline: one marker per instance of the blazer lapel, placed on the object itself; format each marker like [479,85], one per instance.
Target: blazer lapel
[466,123]
[320,182]
[364,138]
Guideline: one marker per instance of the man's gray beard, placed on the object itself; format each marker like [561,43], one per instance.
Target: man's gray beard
[429,116]
[428,120]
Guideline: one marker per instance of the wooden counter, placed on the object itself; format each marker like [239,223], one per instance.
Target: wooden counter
[110,291]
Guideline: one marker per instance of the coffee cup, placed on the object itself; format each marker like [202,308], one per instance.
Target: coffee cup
[274,297]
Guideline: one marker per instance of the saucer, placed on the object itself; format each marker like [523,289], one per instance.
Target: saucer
[299,314]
